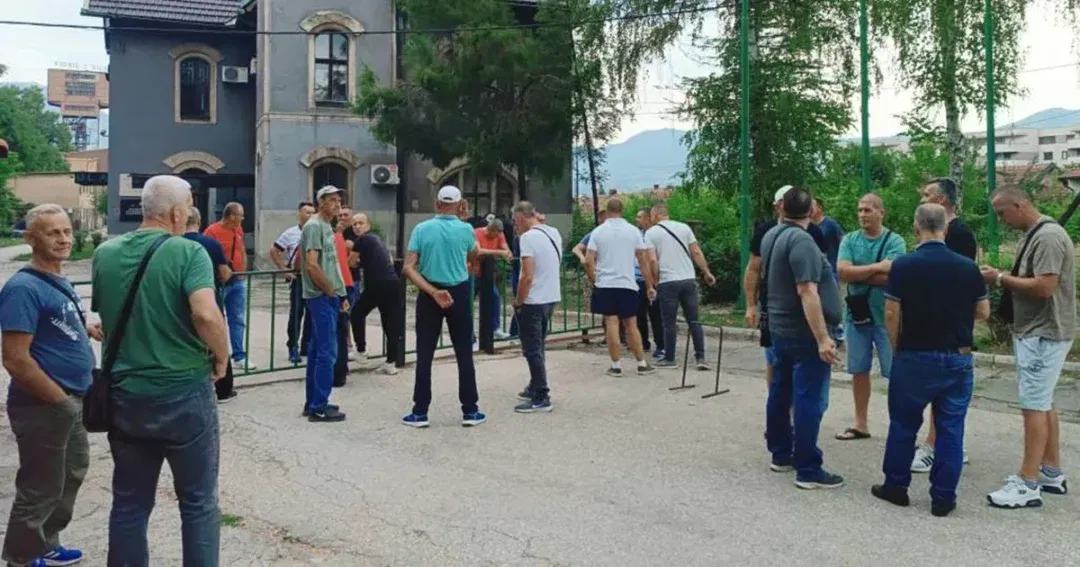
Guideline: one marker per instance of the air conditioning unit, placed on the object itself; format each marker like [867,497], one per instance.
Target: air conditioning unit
[253,66]
[234,74]
[385,174]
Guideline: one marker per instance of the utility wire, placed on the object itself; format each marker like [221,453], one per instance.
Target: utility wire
[432,31]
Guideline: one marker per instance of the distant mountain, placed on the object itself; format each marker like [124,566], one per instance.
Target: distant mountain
[653,157]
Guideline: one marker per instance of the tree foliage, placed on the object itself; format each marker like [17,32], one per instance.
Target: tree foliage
[36,134]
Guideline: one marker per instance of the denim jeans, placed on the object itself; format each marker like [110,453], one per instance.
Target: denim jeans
[799,379]
[944,381]
[322,356]
[234,294]
[54,455]
[648,315]
[182,429]
[671,295]
[299,322]
[534,321]
[429,322]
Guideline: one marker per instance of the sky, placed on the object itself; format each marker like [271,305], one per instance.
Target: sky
[29,52]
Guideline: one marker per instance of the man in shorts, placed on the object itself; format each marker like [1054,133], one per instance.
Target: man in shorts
[1043,324]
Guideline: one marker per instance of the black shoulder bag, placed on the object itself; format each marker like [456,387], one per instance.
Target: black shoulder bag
[97,405]
[859,304]
[1005,308]
[763,292]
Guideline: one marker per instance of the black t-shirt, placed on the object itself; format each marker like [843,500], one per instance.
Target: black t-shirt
[350,236]
[961,239]
[764,226]
[374,258]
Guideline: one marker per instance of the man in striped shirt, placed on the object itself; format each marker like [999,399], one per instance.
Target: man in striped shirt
[284,254]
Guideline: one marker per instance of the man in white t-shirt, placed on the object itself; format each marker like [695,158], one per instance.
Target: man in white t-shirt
[538,292]
[609,265]
[674,251]
[283,254]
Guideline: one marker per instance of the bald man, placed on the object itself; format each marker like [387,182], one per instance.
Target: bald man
[382,290]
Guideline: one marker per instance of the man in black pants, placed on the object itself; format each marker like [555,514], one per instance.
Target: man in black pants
[648,311]
[284,255]
[382,291]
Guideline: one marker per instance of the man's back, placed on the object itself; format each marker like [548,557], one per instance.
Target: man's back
[793,258]
[616,243]
[374,258]
[672,240]
[1051,252]
[232,240]
[161,352]
[443,243]
[937,290]
[544,245]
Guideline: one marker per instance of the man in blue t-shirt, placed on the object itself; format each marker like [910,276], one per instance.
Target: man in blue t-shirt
[933,298]
[437,259]
[831,233]
[222,273]
[46,349]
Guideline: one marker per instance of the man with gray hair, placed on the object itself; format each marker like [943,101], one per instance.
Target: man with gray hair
[492,242]
[163,402]
[46,350]
[933,298]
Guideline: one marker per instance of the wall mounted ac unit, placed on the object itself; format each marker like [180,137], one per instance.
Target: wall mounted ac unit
[234,74]
[385,174]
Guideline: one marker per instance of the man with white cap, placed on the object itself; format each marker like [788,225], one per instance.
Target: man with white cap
[752,277]
[436,261]
[325,294]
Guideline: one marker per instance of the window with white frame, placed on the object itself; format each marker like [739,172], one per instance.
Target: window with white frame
[331,79]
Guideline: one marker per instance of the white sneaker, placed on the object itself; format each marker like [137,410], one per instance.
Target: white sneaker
[388,369]
[967,459]
[924,459]
[501,336]
[239,365]
[476,346]
[351,357]
[1053,484]
[1015,494]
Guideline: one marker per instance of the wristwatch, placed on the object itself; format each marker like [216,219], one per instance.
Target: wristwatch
[999,276]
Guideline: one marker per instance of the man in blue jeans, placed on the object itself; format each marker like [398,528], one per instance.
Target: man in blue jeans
[440,250]
[932,301]
[325,295]
[163,406]
[800,298]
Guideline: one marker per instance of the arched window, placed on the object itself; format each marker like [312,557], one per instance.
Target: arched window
[330,173]
[196,81]
[331,85]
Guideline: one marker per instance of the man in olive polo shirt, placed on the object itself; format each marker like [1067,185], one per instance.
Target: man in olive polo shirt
[436,262]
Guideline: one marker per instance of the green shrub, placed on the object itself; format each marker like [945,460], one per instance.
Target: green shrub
[80,241]
[97,238]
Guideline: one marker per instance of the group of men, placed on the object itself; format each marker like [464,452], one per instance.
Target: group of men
[917,311]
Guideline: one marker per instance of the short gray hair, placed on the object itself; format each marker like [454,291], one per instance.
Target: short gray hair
[930,217]
[44,210]
[195,219]
[163,193]
[525,209]
[495,223]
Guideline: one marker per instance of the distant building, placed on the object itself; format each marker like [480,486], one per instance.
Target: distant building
[75,189]
[1014,146]
[264,119]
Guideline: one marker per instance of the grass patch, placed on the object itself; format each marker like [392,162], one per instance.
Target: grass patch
[85,254]
[6,241]
[231,521]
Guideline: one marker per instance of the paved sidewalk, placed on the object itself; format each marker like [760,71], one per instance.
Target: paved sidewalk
[624,472]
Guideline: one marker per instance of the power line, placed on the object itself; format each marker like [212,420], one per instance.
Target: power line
[432,31]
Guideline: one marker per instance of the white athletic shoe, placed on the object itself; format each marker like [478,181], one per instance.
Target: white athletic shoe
[924,459]
[388,369]
[1053,484]
[1015,494]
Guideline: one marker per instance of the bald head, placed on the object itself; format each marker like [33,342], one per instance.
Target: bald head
[360,224]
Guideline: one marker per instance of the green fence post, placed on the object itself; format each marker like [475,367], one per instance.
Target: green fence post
[273,313]
[744,140]
[991,150]
[247,326]
[864,73]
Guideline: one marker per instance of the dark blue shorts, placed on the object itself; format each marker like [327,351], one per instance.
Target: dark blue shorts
[619,302]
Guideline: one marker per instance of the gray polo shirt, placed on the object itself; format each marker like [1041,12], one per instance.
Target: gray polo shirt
[795,258]
[1051,252]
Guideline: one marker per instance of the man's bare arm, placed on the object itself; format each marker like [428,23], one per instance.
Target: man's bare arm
[699,258]
[1041,286]
[209,323]
[750,281]
[590,266]
[525,281]
[579,251]
[278,258]
[892,322]
[316,274]
[25,371]
[982,310]
[654,265]
[815,317]
[224,272]
[851,273]
[413,273]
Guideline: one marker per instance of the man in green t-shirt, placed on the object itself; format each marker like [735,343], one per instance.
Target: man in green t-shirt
[863,261]
[164,405]
[324,292]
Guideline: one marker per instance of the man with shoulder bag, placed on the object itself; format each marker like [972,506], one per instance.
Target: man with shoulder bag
[156,298]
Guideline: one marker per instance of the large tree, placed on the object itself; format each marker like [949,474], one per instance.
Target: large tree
[35,133]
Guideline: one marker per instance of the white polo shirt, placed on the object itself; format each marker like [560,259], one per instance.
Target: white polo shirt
[544,245]
[288,242]
[616,243]
[671,256]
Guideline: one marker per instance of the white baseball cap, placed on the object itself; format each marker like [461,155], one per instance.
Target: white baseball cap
[779,196]
[449,195]
[328,190]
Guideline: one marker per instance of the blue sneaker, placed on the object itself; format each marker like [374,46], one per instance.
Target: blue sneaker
[294,355]
[823,479]
[61,556]
[534,407]
[414,420]
[658,354]
[471,419]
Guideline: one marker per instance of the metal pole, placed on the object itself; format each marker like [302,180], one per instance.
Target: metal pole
[744,139]
[402,164]
[991,157]
[864,73]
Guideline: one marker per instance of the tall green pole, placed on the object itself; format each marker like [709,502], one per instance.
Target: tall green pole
[744,137]
[864,72]
[991,157]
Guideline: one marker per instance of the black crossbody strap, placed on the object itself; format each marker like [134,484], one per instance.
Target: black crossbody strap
[1023,250]
[684,248]
[117,334]
[884,243]
[763,282]
[49,280]
[552,241]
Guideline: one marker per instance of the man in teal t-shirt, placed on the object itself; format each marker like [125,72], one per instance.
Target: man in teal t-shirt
[863,262]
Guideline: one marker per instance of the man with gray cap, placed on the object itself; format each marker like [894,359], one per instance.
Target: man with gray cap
[437,258]
[325,295]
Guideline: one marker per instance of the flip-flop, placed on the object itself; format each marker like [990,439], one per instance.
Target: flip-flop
[852,434]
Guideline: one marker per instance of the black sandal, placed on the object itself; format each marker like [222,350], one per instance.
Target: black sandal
[852,434]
